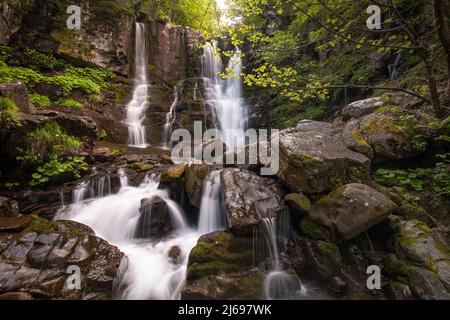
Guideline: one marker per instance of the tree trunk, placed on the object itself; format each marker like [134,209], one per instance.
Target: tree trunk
[442,16]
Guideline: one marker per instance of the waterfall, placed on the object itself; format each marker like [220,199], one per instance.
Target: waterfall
[137,107]
[225,97]
[278,284]
[152,272]
[171,116]
[212,214]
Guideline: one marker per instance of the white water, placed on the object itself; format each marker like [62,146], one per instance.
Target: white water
[225,96]
[171,116]
[212,216]
[150,274]
[137,107]
[278,284]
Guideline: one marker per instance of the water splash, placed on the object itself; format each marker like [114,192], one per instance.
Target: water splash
[137,107]
[151,272]
[171,116]
[225,97]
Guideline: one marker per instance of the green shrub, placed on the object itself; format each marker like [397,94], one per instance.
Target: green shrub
[39,101]
[46,62]
[47,141]
[69,103]
[9,119]
[410,178]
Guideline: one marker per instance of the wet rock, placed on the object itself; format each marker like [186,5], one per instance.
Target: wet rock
[249,198]
[175,255]
[425,284]
[35,261]
[154,219]
[221,267]
[350,210]
[299,202]
[361,108]
[313,158]
[103,155]
[17,92]
[195,180]
[8,208]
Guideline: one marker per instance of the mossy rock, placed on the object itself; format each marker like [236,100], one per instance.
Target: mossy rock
[141,166]
[299,202]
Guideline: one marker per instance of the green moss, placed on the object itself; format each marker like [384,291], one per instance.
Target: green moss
[331,251]
[41,102]
[70,103]
[141,166]
[175,172]
[356,134]
[312,230]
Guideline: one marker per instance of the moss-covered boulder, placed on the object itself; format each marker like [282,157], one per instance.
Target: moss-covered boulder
[314,159]
[221,267]
[354,139]
[34,259]
[351,210]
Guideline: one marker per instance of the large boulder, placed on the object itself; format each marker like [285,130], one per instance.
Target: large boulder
[389,138]
[221,267]
[250,198]
[36,260]
[314,159]
[17,92]
[351,210]
[154,219]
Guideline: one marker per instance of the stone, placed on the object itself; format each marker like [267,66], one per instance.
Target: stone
[361,108]
[299,202]
[36,259]
[354,139]
[79,126]
[195,180]
[14,223]
[154,219]
[350,210]
[313,158]
[17,92]
[175,255]
[103,155]
[249,198]
[8,208]
[10,296]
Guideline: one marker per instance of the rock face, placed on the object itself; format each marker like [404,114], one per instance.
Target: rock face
[17,92]
[154,220]
[195,180]
[221,267]
[104,38]
[426,257]
[35,258]
[74,125]
[11,14]
[350,210]
[313,158]
[249,198]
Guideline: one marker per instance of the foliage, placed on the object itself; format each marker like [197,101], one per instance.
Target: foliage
[410,178]
[46,142]
[42,61]
[9,114]
[70,103]
[73,165]
[288,115]
[103,134]
[41,102]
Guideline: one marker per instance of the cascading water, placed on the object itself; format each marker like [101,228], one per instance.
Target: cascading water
[151,274]
[171,117]
[278,284]
[212,215]
[225,96]
[137,107]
